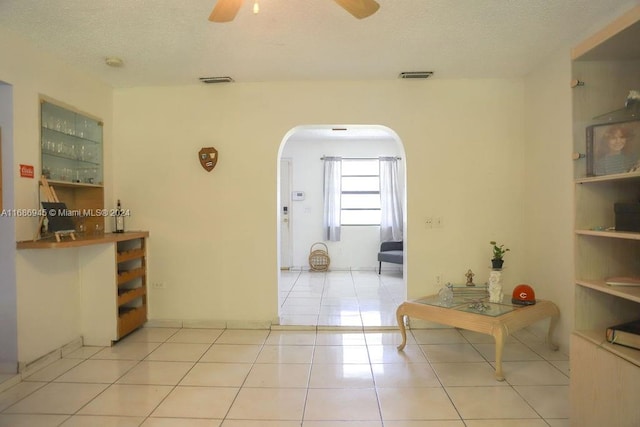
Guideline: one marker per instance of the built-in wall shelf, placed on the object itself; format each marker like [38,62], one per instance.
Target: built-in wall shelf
[596,337]
[631,293]
[609,178]
[604,376]
[66,184]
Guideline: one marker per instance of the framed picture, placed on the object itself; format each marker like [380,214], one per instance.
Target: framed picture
[613,148]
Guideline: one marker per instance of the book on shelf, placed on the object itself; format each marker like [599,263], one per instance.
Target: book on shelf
[627,334]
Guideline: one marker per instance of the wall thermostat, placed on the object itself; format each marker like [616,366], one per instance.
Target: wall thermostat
[297,195]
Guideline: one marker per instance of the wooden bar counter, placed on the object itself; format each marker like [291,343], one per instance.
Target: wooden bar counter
[112,276]
[81,240]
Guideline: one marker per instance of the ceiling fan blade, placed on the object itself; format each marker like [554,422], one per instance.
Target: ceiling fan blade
[359,8]
[225,10]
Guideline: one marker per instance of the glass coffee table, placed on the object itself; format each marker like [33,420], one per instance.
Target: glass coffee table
[495,319]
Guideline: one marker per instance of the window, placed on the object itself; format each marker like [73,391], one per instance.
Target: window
[360,197]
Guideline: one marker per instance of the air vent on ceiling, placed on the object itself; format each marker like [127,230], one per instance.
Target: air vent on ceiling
[415,75]
[208,80]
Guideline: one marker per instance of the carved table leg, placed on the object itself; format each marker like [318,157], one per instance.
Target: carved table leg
[403,331]
[499,335]
[552,326]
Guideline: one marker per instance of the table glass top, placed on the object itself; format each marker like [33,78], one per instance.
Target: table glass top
[487,308]
[469,305]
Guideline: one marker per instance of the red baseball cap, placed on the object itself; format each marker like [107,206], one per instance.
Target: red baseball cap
[523,295]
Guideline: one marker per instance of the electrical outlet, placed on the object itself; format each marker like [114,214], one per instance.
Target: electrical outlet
[429,222]
[158,285]
[439,280]
[437,222]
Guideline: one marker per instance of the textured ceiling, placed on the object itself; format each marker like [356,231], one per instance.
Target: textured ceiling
[171,42]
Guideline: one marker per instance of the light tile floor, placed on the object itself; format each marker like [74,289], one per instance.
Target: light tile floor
[340,298]
[163,377]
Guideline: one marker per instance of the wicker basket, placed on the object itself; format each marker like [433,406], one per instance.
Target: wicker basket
[319,258]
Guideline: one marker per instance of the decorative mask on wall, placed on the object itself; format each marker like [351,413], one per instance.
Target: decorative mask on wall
[208,158]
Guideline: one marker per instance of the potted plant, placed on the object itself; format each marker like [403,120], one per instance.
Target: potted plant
[498,254]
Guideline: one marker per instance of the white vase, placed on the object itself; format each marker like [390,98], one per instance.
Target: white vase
[495,286]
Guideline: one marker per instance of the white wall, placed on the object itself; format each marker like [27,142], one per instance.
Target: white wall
[359,245]
[46,292]
[214,235]
[549,187]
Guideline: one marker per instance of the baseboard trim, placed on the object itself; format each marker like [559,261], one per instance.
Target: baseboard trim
[10,382]
[257,325]
[27,368]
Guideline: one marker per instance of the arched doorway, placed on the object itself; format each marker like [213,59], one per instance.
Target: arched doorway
[352,293]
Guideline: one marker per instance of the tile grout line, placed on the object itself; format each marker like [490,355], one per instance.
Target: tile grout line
[174,387]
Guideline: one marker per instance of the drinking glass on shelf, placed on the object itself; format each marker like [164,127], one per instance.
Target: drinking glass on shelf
[90,153]
[55,173]
[80,225]
[88,176]
[83,127]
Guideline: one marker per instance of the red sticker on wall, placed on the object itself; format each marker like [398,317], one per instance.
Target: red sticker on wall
[26,171]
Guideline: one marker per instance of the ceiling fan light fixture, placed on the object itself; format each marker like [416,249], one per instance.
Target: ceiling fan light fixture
[223,79]
[415,74]
[226,10]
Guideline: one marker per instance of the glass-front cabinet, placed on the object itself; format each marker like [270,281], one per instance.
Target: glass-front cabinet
[71,146]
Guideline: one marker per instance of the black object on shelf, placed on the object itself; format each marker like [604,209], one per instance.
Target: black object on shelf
[627,216]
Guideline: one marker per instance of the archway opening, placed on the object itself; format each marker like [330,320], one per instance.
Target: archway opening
[352,292]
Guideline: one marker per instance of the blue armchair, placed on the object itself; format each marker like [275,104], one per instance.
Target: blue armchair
[391,251]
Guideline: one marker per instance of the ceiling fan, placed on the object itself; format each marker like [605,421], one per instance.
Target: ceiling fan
[226,10]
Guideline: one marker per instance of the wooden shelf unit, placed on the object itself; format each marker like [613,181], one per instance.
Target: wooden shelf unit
[604,376]
[131,284]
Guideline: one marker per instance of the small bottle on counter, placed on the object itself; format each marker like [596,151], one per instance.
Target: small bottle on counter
[119,219]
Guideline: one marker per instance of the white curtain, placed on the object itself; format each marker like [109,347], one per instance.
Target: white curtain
[390,200]
[332,193]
